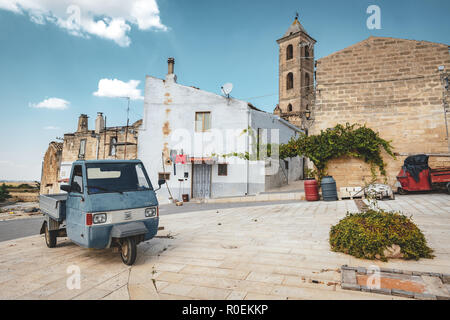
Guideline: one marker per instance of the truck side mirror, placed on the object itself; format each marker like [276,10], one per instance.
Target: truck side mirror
[65,187]
[160,183]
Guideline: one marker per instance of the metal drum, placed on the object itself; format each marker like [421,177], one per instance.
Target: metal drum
[311,190]
[329,190]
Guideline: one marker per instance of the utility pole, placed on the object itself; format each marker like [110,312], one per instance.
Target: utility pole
[126,132]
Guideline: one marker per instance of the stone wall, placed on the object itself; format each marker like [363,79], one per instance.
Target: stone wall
[394,87]
[59,156]
[50,169]
[72,141]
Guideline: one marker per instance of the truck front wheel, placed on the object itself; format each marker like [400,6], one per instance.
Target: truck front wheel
[128,251]
[50,236]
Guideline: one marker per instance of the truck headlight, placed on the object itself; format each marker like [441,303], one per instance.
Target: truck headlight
[150,212]
[99,218]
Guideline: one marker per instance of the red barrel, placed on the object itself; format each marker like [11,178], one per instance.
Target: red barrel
[311,190]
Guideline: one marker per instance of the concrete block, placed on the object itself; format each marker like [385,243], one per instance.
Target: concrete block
[354,287]
[402,293]
[424,296]
[445,277]
[397,271]
[387,270]
[361,270]
[381,291]
[365,289]
[349,277]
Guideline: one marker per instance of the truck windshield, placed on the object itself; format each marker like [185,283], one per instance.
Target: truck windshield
[116,177]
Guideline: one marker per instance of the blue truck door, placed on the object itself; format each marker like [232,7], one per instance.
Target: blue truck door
[76,206]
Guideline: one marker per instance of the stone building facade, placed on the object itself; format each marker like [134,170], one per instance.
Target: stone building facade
[101,143]
[112,143]
[296,74]
[394,86]
[50,168]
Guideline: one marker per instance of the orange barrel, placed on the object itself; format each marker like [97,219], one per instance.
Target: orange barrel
[311,190]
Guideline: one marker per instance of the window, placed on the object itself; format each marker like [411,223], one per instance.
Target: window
[202,121]
[116,177]
[289,81]
[77,180]
[289,108]
[223,169]
[112,146]
[164,175]
[289,52]
[286,164]
[82,151]
[306,52]
[141,177]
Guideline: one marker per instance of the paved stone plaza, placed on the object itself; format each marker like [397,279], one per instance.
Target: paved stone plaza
[266,252]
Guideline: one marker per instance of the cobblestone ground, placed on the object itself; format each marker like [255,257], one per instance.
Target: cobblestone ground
[268,252]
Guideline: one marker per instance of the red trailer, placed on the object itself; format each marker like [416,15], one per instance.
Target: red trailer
[416,175]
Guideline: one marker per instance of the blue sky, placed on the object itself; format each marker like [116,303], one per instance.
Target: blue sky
[212,41]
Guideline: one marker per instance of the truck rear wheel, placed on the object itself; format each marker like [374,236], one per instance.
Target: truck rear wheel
[402,191]
[50,236]
[128,251]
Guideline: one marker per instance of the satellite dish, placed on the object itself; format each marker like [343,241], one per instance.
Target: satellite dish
[227,88]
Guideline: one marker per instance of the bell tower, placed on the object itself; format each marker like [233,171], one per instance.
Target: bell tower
[296,73]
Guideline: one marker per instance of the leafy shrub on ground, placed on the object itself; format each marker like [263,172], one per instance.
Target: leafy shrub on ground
[4,194]
[368,234]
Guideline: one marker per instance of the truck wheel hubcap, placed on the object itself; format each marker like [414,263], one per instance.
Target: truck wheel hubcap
[125,249]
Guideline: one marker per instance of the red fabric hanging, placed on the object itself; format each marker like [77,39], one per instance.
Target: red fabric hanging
[181,158]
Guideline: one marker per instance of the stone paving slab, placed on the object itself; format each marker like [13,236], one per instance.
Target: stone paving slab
[269,252]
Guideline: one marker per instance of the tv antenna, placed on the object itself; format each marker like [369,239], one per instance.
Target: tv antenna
[227,88]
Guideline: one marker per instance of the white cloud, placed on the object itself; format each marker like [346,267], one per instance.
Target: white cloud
[113,88]
[110,20]
[51,128]
[51,103]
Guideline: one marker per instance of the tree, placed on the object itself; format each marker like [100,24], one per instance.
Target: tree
[4,193]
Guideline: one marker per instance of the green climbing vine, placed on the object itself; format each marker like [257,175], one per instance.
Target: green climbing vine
[343,140]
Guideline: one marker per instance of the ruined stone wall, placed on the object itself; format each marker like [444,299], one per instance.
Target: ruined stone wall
[63,154]
[72,143]
[391,85]
[50,169]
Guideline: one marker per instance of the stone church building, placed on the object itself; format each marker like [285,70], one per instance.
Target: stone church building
[397,87]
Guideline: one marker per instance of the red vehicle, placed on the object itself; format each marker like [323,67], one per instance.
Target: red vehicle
[416,175]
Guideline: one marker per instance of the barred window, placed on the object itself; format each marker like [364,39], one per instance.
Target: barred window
[223,169]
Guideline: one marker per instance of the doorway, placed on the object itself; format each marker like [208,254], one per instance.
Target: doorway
[201,181]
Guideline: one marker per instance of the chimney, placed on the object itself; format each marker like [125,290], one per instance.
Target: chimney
[99,123]
[170,75]
[171,63]
[83,123]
